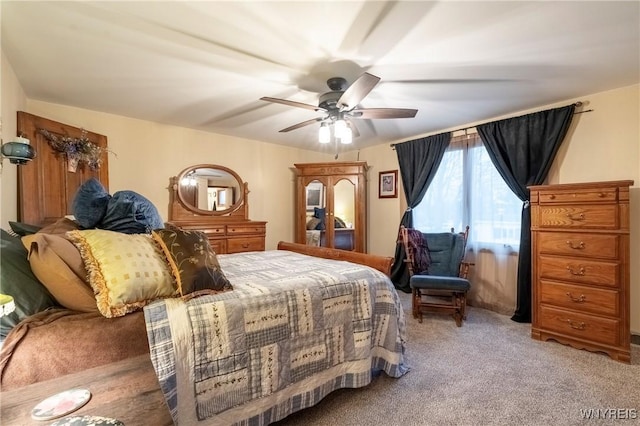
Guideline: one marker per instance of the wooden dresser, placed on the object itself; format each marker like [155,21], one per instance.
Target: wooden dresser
[227,235]
[580,265]
[228,230]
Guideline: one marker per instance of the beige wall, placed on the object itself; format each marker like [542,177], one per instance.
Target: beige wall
[601,145]
[13,99]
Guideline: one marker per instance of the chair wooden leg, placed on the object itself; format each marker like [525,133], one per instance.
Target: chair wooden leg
[415,304]
[463,308]
[460,305]
[458,317]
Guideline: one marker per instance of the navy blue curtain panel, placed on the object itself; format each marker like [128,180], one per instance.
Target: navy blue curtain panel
[522,149]
[418,160]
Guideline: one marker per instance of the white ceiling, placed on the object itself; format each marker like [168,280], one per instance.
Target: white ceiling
[204,65]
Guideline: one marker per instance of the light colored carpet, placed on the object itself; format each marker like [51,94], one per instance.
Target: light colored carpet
[488,372]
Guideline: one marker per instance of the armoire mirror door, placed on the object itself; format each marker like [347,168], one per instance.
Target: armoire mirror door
[315,208]
[343,213]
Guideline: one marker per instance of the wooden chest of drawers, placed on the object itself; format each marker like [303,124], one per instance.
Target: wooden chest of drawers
[580,266]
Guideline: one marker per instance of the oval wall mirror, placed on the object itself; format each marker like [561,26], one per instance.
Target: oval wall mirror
[210,189]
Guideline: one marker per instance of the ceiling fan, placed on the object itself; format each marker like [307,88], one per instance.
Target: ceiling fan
[340,106]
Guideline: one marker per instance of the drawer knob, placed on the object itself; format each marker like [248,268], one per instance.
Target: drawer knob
[578,272]
[552,197]
[581,299]
[574,216]
[578,246]
[575,325]
[245,245]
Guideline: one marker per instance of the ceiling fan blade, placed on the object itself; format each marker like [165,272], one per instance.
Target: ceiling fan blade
[292,103]
[373,113]
[302,124]
[357,91]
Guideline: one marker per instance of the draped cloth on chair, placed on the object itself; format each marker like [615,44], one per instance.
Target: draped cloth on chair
[523,149]
[418,160]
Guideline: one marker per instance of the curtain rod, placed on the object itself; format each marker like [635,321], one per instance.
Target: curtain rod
[577,104]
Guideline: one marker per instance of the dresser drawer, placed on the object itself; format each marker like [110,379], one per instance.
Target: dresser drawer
[579,270]
[584,326]
[207,229]
[578,216]
[580,298]
[578,196]
[215,230]
[578,244]
[245,229]
[238,245]
[219,246]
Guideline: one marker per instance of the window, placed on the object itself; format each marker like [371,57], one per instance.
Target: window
[467,189]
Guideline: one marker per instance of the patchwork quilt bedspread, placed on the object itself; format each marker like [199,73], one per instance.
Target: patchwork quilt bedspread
[294,328]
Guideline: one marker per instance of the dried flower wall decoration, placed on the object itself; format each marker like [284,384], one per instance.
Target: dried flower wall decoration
[77,150]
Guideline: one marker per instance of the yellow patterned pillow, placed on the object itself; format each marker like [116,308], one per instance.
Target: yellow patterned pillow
[126,271]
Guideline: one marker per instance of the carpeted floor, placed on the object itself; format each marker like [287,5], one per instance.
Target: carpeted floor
[488,372]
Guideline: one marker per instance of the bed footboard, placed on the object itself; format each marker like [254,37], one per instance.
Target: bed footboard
[381,263]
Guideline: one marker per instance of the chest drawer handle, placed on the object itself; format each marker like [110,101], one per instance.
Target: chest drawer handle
[579,272]
[575,325]
[573,216]
[552,197]
[580,299]
[579,246]
[245,245]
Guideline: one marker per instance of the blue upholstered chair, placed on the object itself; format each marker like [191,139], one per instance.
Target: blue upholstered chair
[438,273]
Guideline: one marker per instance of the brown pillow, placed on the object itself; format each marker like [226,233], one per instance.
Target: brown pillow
[60,227]
[57,263]
[193,263]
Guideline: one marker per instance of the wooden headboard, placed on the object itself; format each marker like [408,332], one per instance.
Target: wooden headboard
[45,187]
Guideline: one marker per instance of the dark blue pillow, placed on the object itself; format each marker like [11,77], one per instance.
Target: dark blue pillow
[90,203]
[131,213]
[319,213]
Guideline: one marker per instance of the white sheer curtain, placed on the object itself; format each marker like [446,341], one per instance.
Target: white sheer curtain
[468,190]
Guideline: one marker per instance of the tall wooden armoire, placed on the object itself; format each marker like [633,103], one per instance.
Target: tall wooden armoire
[331,200]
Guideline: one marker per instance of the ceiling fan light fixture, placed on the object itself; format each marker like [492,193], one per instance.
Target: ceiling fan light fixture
[340,127]
[342,103]
[324,134]
[347,136]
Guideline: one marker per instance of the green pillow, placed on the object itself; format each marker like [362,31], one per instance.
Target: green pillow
[23,229]
[17,280]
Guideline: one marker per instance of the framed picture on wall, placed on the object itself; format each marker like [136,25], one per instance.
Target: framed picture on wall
[315,195]
[388,184]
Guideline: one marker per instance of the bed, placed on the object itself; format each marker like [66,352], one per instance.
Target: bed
[294,328]
[276,332]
